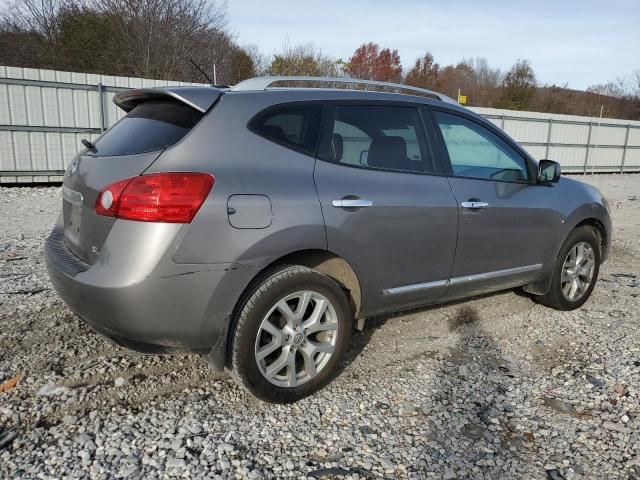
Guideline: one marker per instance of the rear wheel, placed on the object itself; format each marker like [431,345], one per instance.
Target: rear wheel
[575,272]
[291,334]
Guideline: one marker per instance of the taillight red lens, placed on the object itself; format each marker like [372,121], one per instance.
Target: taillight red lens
[172,197]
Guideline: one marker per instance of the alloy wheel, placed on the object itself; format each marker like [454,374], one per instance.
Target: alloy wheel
[296,339]
[577,271]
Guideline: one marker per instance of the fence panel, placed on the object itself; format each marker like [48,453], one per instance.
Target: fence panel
[44,114]
[580,144]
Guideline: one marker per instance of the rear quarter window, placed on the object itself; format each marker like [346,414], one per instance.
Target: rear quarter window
[151,126]
[292,126]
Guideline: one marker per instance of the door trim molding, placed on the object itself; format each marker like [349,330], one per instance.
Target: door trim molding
[462,280]
[496,274]
[415,287]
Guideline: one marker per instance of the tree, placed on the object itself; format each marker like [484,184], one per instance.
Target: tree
[20,48]
[635,84]
[242,66]
[79,42]
[38,22]
[259,61]
[474,78]
[156,38]
[609,98]
[486,82]
[519,86]
[456,77]
[302,60]
[142,38]
[424,73]
[369,62]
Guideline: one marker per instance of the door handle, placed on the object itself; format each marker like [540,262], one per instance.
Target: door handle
[352,203]
[474,205]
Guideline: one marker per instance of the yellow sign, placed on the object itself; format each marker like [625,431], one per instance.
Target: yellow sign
[462,99]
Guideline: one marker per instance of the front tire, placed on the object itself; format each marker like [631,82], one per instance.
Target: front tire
[575,272]
[291,335]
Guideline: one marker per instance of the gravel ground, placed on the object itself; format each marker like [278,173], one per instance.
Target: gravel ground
[493,387]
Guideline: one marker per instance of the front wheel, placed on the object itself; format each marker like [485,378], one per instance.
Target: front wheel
[291,334]
[575,272]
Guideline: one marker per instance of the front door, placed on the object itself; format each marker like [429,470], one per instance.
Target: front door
[508,222]
[386,210]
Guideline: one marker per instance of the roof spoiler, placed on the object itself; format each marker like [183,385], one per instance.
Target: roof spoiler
[198,98]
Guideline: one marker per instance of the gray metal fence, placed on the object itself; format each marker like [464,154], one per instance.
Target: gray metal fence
[45,113]
[580,144]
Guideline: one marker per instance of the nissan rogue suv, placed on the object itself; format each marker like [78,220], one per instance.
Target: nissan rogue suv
[256,224]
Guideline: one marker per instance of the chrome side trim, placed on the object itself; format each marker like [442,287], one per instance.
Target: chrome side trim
[459,280]
[496,274]
[415,287]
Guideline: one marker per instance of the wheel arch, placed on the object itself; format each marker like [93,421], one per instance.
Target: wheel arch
[600,230]
[542,286]
[323,261]
[326,262]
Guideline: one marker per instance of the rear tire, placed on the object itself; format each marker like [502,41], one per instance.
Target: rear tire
[575,272]
[291,335]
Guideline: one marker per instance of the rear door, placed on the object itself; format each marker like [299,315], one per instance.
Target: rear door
[508,222]
[387,209]
[127,149]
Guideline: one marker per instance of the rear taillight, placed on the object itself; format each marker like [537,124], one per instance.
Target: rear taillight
[109,197]
[173,197]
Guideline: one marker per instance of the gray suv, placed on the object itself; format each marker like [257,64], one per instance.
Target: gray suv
[256,224]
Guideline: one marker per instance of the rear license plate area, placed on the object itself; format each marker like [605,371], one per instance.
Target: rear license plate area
[72,207]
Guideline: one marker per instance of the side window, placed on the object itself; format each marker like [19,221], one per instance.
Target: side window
[294,126]
[475,151]
[385,137]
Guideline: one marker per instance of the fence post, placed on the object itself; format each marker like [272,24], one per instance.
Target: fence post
[586,155]
[546,154]
[624,149]
[101,107]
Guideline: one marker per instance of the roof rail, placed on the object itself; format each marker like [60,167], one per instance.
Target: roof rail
[263,83]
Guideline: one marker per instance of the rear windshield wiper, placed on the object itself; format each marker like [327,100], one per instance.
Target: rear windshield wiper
[89,145]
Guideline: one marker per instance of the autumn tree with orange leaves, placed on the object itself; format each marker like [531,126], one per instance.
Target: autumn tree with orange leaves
[424,73]
[369,62]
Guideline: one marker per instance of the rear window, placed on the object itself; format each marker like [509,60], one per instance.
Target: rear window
[151,126]
[293,126]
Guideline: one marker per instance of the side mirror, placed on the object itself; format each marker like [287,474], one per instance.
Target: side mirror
[548,171]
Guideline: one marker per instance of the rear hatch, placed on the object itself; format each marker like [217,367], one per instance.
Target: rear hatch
[156,119]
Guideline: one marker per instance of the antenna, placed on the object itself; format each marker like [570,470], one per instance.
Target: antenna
[202,72]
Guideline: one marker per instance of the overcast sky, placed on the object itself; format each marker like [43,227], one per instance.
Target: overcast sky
[582,42]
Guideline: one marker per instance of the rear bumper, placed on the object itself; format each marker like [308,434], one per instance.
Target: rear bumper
[153,305]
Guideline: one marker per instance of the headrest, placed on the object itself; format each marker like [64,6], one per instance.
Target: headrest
[387,152]
[274,132]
